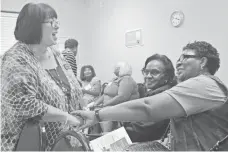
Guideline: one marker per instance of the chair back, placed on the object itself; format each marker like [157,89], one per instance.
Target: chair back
[31,137]
[141,90]
[103,87]
[78,140]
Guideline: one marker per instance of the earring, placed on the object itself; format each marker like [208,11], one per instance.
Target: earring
[201,67]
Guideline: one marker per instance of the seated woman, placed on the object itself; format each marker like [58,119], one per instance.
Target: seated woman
[121,89]
[158,75]
[197,105]
[91,85]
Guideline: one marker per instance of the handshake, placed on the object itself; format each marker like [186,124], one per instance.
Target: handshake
[93,106]
[85,118]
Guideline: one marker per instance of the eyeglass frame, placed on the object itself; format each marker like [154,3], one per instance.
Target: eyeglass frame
[146,73]
[187,56]
[54,23]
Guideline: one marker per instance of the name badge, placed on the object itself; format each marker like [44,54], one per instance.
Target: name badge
[67,66]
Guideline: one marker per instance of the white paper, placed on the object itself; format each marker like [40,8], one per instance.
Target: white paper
[116,140]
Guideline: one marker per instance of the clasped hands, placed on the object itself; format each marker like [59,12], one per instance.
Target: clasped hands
[87,118]
[94,105]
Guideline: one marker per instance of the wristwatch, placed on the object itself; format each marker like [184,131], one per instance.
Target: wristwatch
[97,115]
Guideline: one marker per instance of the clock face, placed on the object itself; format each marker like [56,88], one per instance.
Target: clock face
[177,18]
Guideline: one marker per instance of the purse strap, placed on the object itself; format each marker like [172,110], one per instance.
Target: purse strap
[43,138]
[166,133]
[224,88]
[219,144]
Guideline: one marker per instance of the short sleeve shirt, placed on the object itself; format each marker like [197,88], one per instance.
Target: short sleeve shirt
[205,104]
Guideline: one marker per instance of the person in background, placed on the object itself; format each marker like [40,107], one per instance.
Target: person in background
[70,53]
[197,105]
[91,85]
[35,85]
[158,73]
[121,89]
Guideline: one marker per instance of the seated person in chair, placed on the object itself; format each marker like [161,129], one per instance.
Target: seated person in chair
[121,89]
[197,105]
[158,75]
[91,85]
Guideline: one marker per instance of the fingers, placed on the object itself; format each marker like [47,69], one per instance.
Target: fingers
[90,105]
[86,108]
[77,113]
[82,127]
[76,128]
[81,120]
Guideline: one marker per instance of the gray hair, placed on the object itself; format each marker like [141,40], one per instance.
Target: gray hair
[124,68]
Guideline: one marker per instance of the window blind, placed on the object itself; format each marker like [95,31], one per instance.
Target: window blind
[8,23]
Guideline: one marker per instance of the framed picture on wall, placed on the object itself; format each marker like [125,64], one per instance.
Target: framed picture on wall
[133,38]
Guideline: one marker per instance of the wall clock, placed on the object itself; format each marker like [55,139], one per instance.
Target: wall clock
[177,18]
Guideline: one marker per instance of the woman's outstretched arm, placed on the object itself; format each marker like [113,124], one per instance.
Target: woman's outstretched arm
[154,108]
[150,109]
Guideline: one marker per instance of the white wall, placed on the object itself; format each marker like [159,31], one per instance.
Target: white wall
[109,19]
[71,14]
[100,25]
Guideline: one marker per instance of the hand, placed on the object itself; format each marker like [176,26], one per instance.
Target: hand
[83,91]
[86,109]
[75,121]
[101,105]
[90,105]
[88,116]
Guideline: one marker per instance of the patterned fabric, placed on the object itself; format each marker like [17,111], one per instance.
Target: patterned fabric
[69,56]
[91,86]
[26,90]
[147,146]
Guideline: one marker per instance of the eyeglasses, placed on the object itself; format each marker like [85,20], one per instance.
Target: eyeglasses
[54,23]
[153,72]
[186,56]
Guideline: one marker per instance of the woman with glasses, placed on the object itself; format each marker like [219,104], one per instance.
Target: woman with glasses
[197,106]
[158,74]
[35,84]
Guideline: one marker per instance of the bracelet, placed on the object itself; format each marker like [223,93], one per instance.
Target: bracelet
[97,115]
[102,105]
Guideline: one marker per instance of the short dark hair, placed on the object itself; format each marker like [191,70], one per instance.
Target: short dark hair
[71,43]
[169,69]
[205,49]
[82,76]
[29,22]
